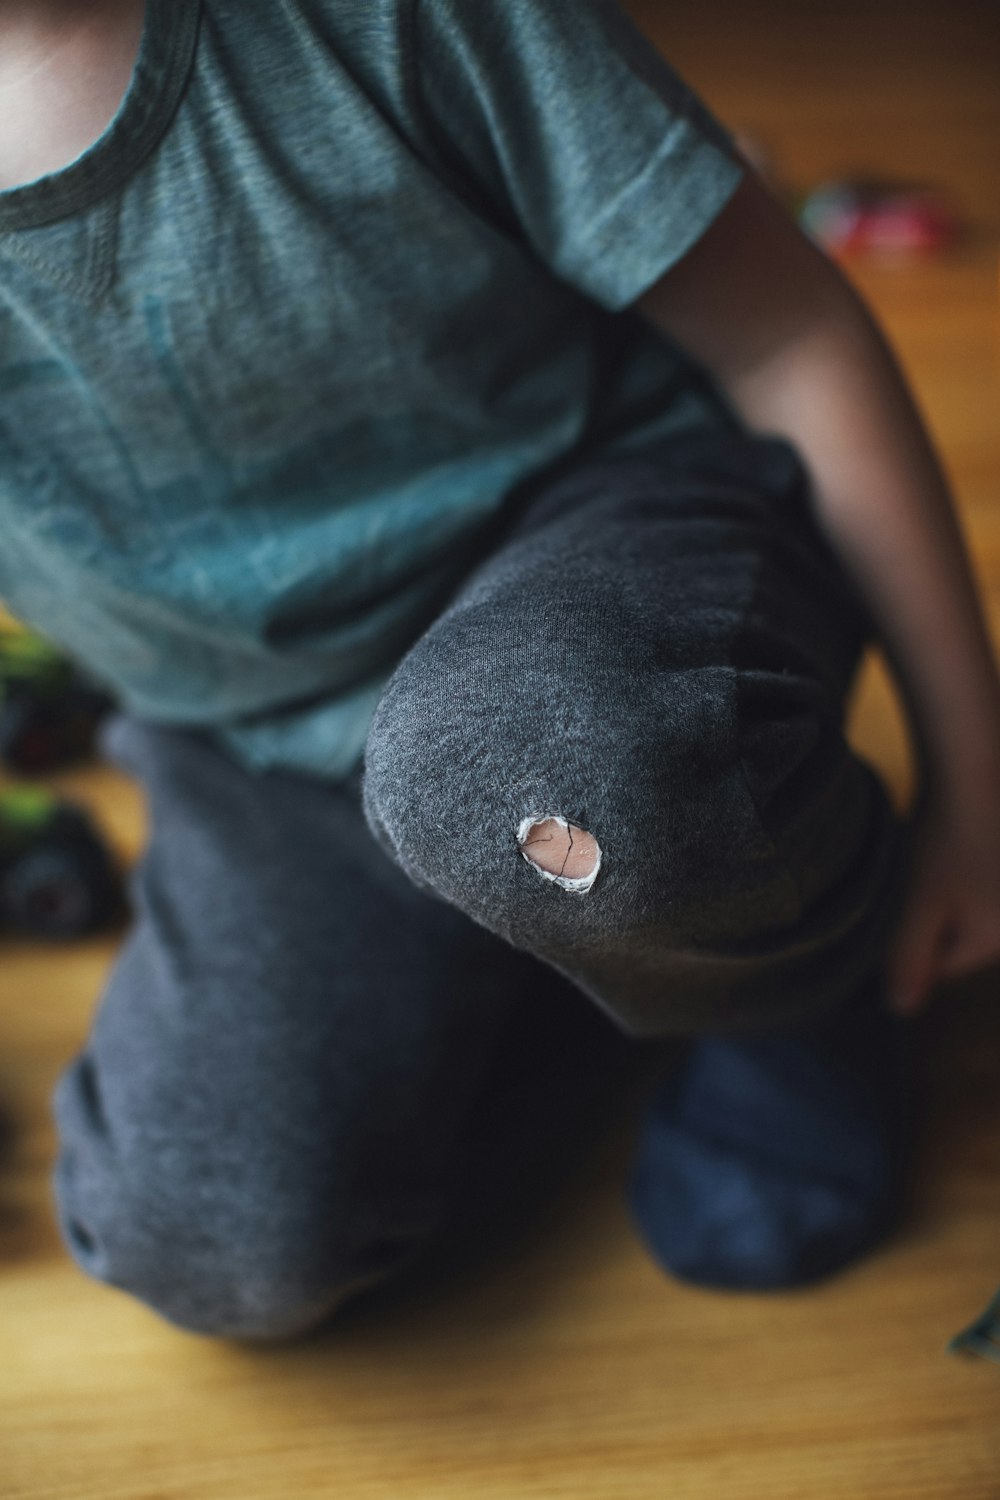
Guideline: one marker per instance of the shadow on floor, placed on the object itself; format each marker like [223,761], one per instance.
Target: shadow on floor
[560,1107]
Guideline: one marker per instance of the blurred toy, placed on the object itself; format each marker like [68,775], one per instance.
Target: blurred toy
[48,711]
[981,1337]
[57,879]
[897,220]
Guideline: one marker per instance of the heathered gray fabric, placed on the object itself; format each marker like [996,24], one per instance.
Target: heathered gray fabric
[341,275]
[276,1095]
[292,1084]
[658,654]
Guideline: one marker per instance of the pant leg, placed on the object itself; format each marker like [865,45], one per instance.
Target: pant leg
[272,1107]
[658,652]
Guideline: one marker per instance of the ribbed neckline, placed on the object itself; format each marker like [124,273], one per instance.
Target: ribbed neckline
[166,52]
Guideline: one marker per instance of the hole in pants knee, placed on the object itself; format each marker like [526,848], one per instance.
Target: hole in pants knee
[560,851]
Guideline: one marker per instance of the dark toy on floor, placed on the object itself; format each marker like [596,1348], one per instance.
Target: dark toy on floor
[57,879]
[49,712]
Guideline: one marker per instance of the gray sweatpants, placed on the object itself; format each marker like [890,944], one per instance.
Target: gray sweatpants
[274,1105]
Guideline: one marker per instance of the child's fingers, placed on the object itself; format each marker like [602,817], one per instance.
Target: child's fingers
[916,955]
[975,946]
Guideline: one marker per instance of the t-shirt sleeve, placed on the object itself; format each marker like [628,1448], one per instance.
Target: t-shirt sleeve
[578,133]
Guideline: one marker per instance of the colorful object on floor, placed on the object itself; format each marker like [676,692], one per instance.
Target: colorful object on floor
[57,879]
[981,1337]
[48,711]
[891,220]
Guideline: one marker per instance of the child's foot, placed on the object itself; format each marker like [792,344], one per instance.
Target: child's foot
[773,1160]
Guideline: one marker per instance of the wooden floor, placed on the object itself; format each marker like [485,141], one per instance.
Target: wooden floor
[573,1368]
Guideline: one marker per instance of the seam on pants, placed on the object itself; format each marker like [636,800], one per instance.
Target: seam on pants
[763,558]
[781,863]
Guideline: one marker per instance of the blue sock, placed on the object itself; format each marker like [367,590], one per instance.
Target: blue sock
[773,1160]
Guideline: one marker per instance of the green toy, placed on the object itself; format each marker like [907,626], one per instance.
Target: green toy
[48,711]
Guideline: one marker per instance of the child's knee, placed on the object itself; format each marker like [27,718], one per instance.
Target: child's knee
[195,1229]
[651,809]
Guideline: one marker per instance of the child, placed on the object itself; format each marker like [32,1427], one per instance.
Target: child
[478,493]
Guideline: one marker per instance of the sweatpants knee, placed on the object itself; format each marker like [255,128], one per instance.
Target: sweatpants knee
[568,819]
[216,1253]
[745,864]
[621,748]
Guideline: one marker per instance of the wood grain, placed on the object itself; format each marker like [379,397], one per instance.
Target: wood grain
[572,1368]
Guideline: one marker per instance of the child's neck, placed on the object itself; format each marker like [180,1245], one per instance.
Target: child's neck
[65,66]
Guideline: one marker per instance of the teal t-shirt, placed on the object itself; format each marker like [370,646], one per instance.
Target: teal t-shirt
[340,276]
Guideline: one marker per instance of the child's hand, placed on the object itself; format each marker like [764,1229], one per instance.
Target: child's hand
[951,921]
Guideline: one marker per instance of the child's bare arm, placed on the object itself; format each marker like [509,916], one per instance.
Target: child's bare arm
[798,354]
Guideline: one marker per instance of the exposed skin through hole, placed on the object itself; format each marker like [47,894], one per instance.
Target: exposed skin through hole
[562,851]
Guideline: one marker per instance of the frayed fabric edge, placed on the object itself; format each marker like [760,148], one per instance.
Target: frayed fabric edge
[579,884]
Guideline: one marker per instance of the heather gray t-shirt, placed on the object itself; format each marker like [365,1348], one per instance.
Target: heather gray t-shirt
[340,276]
